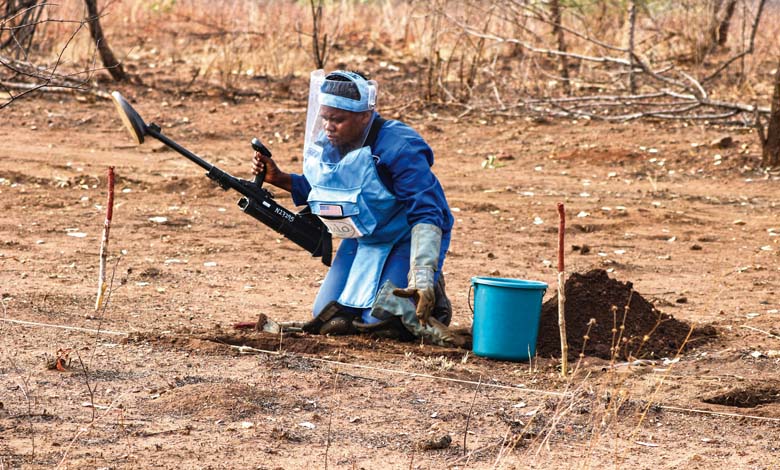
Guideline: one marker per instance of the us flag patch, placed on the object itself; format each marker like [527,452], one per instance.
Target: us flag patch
[331,210]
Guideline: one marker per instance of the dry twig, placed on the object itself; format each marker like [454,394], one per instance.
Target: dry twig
[468,418]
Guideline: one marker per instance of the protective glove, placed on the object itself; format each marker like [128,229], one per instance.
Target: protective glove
[398,320]
[424,261]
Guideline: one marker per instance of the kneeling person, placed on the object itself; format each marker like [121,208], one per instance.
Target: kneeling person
[371,183]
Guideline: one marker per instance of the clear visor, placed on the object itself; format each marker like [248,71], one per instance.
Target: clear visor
[316,141]
[320,146]
[313,121]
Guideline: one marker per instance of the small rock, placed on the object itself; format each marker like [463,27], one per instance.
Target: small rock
[696,247]
[682,300]
[584,249]
[434,444]
[722,142]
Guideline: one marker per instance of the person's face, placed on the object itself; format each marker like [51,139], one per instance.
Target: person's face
[343,128]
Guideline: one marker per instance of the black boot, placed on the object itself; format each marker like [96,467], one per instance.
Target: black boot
[442,309]
[390,328]
[332,320]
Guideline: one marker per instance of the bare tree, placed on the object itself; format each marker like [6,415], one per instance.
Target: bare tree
[660,86]
[19,20]
[719,14]
[106,55]
[725,22]
[557,31]
[319,47]
[637,75]
[770,142]
[20,74]
[631,43]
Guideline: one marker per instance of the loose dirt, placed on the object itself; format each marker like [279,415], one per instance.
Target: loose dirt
[607,318]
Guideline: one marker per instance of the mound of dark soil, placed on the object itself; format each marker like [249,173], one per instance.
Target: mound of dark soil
[646,332]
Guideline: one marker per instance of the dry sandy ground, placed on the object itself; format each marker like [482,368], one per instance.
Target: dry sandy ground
[691,225]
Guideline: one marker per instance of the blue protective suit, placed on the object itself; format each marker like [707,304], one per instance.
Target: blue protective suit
[387,194]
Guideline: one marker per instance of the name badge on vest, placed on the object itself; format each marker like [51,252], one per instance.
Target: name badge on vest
[342,228]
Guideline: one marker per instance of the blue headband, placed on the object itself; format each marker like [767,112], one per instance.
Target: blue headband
[332,92]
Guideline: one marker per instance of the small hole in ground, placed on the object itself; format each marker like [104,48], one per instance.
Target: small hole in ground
[748,396]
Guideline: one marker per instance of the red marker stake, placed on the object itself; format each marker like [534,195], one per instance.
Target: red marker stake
[104,241]
[561,293]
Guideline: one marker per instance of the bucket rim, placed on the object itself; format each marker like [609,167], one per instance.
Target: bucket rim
[508,282]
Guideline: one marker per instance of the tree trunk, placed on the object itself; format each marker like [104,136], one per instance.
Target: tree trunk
[725,21]
[319,50]
[631,36]
[721,12]
[20,19]
[563,64]
[106,56]
[771,144]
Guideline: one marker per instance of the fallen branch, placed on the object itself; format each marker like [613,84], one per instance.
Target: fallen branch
[61,88]
[771,335]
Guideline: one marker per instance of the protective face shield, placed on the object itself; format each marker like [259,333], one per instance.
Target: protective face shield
[341,90]
[313,109]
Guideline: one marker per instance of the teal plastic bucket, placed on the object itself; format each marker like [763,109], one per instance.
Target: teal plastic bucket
[506,317]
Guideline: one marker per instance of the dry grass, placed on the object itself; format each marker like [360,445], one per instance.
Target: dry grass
[431,49]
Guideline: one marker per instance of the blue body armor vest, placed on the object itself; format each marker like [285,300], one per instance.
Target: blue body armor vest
[353,202]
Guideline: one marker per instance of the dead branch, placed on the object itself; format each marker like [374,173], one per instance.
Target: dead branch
[562,291]
[24,18]
[19,78]
[468,417]
[104,240]
[537,50]
[44,79]
[320,51]
[536,15]
[702,92]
